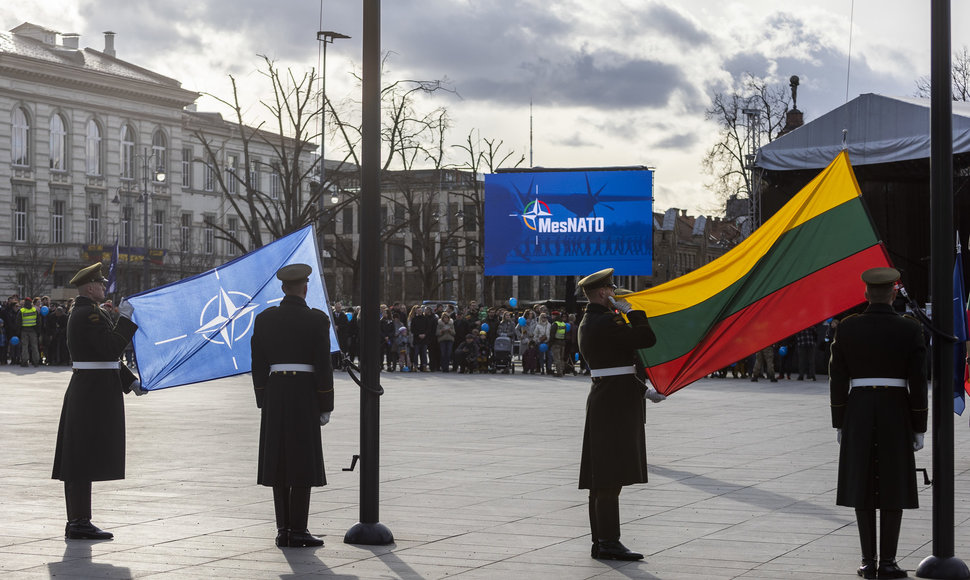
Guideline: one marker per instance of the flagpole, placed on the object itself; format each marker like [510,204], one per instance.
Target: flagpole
[369,530]
[943,563]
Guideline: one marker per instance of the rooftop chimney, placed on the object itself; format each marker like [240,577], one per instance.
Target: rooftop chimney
[70,40]
[109,43]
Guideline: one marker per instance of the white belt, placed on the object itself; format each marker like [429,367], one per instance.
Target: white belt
[877,382]
[613,371]
[96,366]
[293,368]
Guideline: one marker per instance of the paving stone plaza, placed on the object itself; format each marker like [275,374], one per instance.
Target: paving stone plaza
[478,481]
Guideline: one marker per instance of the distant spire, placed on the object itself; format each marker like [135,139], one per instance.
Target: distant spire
[530,133]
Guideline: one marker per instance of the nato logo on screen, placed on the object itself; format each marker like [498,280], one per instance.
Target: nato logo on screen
[569,222]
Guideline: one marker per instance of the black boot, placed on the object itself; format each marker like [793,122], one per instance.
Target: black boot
[889,521]
[281,504]
[866,520]
[299,536]
[85,530]
[889,569]
[867,569]
[614,550]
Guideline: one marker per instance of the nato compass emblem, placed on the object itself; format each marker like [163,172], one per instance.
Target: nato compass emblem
[225,319]
[533,211]
[222,322]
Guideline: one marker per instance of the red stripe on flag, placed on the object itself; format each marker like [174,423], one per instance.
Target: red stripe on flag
[827,292]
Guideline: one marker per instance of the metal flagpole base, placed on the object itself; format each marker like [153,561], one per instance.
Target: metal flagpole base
[952,568]
[376,534]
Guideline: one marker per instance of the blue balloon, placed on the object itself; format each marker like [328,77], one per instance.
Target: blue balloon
[522,321]
[783,350]
[576,357]
[569,327]
[513,302]
[44,310]
[350,316]
[485,327]
[14,341]
[543,347]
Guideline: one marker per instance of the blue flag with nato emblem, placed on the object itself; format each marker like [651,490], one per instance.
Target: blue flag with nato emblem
[199,328]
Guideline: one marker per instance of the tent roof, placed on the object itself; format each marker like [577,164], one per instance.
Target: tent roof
[879,129]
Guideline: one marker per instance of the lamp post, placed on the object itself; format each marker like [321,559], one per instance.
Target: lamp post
[159,176]
[324,37]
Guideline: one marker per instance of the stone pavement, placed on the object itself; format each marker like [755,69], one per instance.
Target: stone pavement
[478,480]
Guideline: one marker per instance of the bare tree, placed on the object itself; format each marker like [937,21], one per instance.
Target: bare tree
[32,267]
[293,110]
[726,161]
[960,78]
[478,159]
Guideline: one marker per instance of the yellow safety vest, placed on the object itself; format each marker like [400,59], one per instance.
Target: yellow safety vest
[29,316]
[560,330]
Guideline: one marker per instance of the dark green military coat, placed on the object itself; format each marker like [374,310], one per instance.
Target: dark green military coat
[876,462]
[614,442]
[290,452]
[91,434]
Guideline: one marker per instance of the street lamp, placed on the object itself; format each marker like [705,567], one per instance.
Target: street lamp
[324,37]
[159,177]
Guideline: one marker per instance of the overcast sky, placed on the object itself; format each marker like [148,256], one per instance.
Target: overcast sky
[613,83]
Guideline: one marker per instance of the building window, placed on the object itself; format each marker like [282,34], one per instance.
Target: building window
[94,223]
[126,215]
[20,152]
[57,221]
[58,150]
[231,173]
[208,236]
[232,227]
[159,229]
[127,152]
[274,185]
[187,167]
[209,176]
[254,175]
[470,217]
[347,218]
[92,148]
[160,151]
[20,220]
[185,232]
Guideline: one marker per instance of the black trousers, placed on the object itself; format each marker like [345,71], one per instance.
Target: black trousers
[889,522]
[77,496]
[292,507]
[604,514]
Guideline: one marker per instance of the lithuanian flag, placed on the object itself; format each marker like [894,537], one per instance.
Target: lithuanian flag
[799,268]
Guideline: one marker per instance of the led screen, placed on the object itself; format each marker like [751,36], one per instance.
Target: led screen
[569,223]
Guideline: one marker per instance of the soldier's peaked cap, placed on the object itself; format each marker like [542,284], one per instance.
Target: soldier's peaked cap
[880,276]
[294,273]
[88,274]
[597,279]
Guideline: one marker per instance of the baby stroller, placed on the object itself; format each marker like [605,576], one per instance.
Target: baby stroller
[502,355]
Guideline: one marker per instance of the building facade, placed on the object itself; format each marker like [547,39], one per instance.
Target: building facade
[96,151]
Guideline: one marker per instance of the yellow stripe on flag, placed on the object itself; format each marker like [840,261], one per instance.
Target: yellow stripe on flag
[831,188]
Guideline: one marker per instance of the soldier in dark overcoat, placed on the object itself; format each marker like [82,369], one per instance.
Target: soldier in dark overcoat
[91,433]
[614,442]
[877,381]
[293,381]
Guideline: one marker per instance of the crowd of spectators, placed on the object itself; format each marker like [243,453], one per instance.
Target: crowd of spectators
[445,337]
[33,331]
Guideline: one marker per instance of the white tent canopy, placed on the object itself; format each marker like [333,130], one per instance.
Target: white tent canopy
[879,129]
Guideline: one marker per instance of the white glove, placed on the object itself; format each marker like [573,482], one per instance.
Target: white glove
[838,436]
[621,305]
[126,309]
[324,418]
[136,388]
[654,395]
[918,441]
